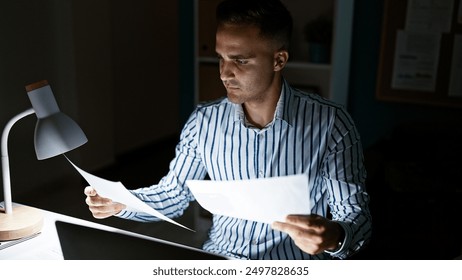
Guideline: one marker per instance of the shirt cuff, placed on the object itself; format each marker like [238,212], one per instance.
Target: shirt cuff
[125,214]
[340,251]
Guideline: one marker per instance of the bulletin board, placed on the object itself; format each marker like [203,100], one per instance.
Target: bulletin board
[421,52]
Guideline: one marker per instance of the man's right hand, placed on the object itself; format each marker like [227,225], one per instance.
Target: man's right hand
[101,207]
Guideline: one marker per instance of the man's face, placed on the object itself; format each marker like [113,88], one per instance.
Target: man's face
[247,63]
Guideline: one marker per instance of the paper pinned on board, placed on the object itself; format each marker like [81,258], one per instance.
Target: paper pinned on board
[263,200]
[117,192]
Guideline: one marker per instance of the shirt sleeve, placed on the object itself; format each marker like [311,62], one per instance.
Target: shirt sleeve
[171,196]
[345,176]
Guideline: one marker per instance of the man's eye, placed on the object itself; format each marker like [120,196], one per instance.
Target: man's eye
[241,61]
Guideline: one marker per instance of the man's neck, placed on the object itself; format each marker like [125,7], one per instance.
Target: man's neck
[260,114]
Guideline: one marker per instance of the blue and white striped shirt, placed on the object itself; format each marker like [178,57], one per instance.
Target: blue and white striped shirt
[307,135]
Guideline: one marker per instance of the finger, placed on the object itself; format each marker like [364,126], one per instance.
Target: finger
[285,227]
[306,240]
[89,191]
[93,199]
[101,212]
[98,201]
[297,219]
[303,218]
[277,226]
[297,233]
[308,222]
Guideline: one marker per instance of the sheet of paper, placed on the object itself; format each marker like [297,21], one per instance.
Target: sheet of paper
[117,192]
[263,200]
[429,16]
[416,61]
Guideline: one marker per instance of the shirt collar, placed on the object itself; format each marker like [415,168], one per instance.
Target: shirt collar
[280,112]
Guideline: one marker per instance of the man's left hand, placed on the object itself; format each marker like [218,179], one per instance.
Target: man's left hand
[313,234]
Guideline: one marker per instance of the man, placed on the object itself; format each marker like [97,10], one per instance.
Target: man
[265,128]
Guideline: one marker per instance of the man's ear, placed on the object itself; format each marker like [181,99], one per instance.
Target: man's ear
[280,60]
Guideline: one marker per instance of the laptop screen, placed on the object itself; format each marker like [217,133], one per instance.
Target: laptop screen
[86,243]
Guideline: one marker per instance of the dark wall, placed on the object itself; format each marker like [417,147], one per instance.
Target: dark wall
[412,154]
[145,68]
[113,67]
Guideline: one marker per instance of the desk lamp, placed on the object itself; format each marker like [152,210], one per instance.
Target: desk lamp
[55,134]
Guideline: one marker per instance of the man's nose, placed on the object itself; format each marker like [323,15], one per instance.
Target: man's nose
[226,71]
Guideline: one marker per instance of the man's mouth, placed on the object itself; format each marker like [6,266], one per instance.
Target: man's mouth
[230,86]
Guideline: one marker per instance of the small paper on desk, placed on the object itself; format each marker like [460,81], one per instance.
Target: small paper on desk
[263,200]
[117,192]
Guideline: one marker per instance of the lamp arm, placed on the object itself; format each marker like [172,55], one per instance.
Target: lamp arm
[5,160]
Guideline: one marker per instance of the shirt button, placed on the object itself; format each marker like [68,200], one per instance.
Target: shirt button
[254,242]
[261,173]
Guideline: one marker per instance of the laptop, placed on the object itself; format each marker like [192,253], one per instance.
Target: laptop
[86,243]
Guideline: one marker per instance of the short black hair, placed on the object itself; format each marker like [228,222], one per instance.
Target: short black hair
[271,16]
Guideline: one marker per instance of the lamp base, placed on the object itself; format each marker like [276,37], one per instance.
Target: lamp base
[23,222]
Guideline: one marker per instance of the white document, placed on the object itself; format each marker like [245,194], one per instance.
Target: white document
[262,200]
[117,192]
[416,61]
[429,16]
